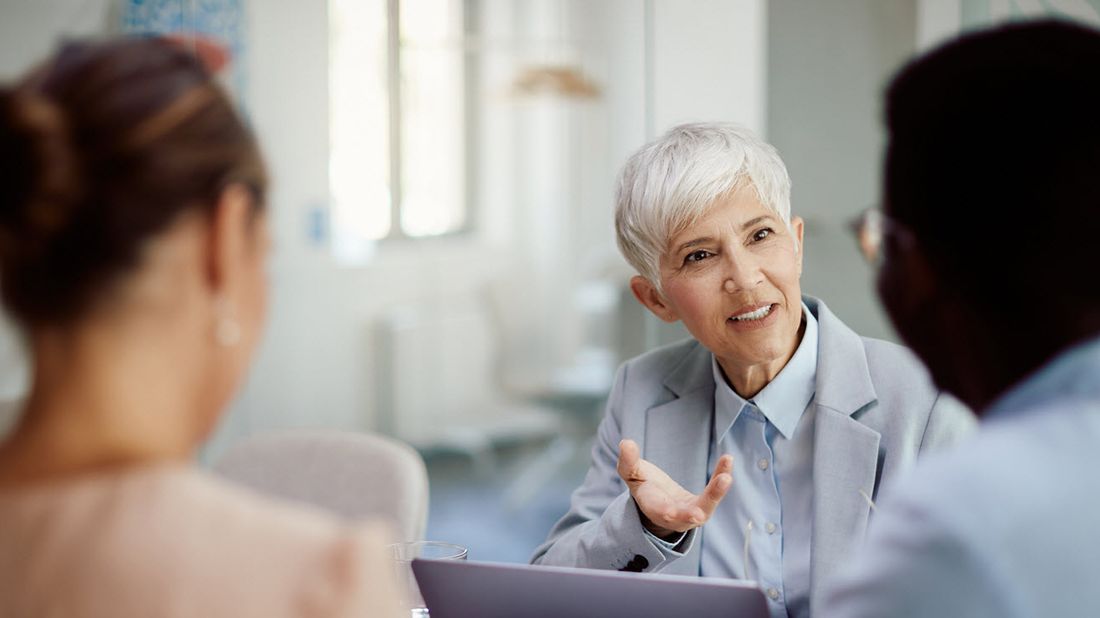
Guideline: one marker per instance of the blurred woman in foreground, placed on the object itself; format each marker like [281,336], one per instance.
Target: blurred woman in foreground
[133,243]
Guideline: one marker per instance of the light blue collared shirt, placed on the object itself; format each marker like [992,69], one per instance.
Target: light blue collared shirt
[771,439]
[1003,526]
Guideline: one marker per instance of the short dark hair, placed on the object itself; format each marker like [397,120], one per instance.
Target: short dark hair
[103,147]
[994,161]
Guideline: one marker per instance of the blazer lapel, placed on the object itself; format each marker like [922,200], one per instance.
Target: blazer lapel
[677,435]
[846,452]
[845,464]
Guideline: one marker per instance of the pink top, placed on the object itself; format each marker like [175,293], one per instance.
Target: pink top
[169,540]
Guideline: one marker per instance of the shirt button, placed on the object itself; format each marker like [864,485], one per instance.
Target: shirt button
[770,527]
[773,594]
[762,464]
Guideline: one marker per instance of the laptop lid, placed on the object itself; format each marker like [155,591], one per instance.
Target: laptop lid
[461,589]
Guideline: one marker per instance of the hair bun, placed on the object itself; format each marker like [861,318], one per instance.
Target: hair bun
[40,183]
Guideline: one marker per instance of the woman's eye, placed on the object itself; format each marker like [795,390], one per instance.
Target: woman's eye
[761,234]
[697,256]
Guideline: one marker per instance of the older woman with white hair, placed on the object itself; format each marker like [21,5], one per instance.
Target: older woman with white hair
[755,449]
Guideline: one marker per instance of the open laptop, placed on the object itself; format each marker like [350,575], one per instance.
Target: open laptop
[461,589]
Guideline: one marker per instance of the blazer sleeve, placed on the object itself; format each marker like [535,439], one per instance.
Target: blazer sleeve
[603,528]
[948,422]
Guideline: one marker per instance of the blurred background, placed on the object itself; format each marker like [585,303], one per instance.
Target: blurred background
[445,269]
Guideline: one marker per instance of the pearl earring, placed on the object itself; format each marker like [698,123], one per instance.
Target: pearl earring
[227,331]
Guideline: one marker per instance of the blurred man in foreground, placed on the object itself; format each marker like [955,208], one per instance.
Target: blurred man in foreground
[988,251]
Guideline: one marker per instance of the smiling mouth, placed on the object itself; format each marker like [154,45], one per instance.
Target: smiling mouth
[756,314]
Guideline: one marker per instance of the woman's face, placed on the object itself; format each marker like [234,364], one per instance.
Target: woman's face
[733,279]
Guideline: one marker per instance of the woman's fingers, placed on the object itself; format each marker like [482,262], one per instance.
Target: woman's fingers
[714,492]
[629,457]
[665,503]
[725,464]
[719,484]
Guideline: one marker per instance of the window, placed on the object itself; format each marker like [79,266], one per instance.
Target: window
[399,118]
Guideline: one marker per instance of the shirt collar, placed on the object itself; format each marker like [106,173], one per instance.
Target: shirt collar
[1071,374]
[785,398]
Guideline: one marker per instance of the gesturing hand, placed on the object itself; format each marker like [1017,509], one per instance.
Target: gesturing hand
[668,508]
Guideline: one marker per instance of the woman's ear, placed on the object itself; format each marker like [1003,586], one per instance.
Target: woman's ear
[229,228]
[648,295]
[798,230]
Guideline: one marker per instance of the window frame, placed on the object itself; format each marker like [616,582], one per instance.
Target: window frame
[471,117]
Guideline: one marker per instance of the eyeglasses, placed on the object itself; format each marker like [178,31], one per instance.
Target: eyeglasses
[871,227]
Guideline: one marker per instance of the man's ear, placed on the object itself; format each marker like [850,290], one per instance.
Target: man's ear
[228,241]
[934,322]
[908,288]
[648,295]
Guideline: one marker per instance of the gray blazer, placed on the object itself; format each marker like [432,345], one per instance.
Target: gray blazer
[876,411]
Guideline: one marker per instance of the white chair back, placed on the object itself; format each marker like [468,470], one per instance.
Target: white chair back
[356,476]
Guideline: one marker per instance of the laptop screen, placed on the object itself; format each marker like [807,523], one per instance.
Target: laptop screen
[460,589]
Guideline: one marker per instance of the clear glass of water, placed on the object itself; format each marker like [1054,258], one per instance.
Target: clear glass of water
[403,554]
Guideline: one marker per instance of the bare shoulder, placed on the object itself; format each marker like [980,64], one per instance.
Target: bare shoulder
[127,544]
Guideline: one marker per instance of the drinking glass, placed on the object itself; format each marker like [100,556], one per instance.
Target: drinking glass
[403,554]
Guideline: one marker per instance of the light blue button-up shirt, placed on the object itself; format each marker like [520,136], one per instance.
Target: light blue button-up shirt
[771,440]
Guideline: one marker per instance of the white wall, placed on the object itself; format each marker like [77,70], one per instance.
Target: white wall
[937,20]
[709,62]
[942,19]
[827,65]
[29,28]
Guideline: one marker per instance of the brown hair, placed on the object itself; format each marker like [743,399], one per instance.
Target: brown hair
[103,148]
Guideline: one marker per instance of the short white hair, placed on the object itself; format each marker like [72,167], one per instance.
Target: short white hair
[668,184]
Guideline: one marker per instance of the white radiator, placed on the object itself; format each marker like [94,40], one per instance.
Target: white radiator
[437,381]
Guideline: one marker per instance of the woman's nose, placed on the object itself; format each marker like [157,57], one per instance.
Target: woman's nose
[741,273]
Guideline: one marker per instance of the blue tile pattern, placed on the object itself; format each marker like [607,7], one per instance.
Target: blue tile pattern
[220,20]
